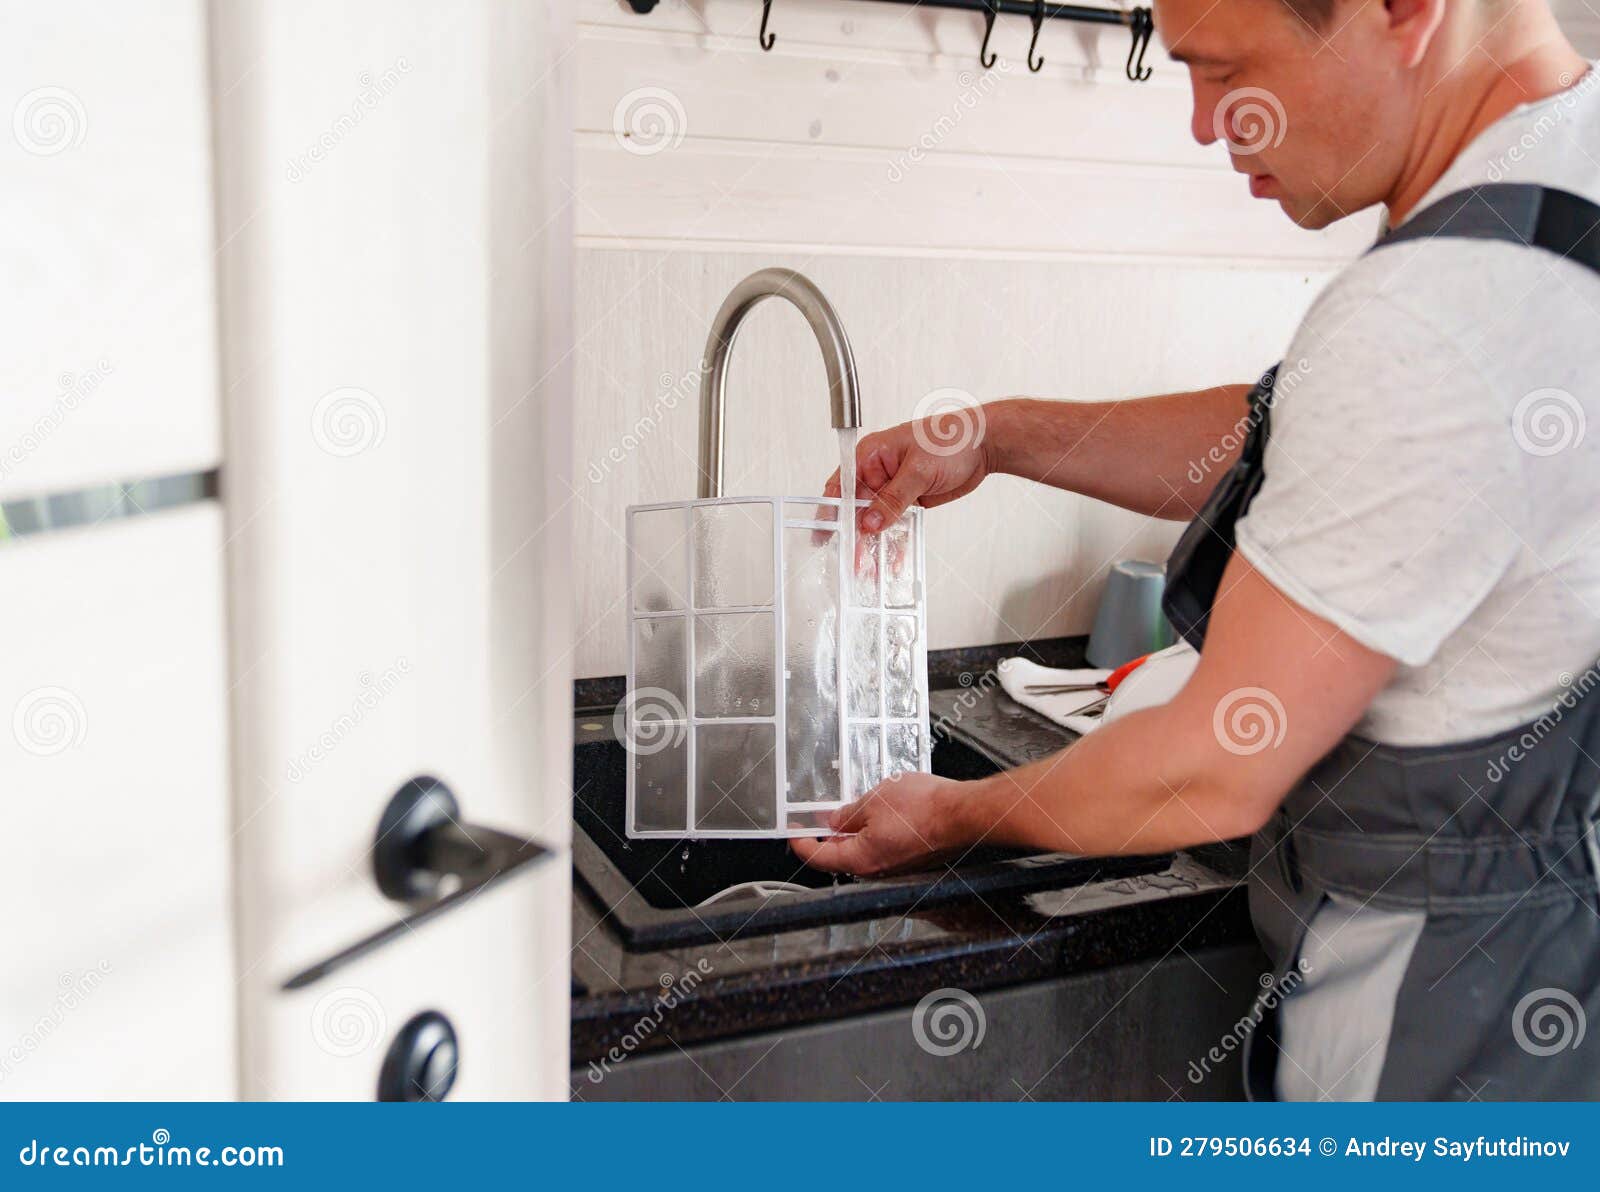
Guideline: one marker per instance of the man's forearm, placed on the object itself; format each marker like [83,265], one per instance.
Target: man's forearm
[1275,689]
[1133,787]
[1155,455]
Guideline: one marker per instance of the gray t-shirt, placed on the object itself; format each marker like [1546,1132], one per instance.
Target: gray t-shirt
[1432,481]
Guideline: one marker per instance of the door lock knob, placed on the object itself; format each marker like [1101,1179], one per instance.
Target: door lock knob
[422,1061]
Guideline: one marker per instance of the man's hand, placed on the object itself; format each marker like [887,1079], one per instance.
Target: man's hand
[905,823]
[918,463]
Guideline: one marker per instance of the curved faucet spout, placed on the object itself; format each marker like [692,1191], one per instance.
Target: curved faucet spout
[844,394]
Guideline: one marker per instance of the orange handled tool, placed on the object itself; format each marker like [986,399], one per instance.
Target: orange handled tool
[1106,685]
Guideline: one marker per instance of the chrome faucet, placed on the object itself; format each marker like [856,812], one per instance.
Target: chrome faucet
[844,395]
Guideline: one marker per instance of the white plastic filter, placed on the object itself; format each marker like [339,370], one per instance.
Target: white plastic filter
[736,705]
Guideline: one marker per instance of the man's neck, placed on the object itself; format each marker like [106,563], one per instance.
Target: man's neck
[1469,99]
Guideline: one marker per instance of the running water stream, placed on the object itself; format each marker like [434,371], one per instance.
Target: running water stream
[847,565]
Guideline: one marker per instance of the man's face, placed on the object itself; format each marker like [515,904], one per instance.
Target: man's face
[1319,119]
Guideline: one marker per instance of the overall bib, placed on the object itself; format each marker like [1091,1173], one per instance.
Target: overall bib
[1492,840]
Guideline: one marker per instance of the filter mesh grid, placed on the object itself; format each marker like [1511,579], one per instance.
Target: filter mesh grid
[732,717]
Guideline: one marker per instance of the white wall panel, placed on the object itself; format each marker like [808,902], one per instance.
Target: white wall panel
[715,193]
[1057,234]
[870,127]
[1012,560]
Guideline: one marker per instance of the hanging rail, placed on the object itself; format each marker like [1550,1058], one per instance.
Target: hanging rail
[1139,22]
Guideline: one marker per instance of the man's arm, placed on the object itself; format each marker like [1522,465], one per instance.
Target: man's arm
[1275,689]
[1155,455]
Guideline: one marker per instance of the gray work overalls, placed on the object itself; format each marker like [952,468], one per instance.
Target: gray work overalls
[1493,840]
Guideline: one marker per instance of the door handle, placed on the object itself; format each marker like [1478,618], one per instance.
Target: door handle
[426,859]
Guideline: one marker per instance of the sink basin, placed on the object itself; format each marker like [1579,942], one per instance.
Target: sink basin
[653,889]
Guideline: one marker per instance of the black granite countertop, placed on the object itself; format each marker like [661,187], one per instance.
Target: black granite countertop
[649,1000]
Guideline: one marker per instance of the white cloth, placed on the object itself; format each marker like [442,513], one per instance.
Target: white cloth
[1433,472]
[1018,674]
[1155,681]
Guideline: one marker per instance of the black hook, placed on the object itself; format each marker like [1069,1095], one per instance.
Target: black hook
[1143,25]
[1038,23]
[766,39]
[990,11]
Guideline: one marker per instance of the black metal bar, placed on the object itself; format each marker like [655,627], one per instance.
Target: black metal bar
[513,856]
[1024,8]
[1015,8]
[1138,19]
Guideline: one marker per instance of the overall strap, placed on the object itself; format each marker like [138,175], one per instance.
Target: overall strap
[1513,213]
[1555,221]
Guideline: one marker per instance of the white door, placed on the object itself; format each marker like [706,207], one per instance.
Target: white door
[392,180]
[118,972]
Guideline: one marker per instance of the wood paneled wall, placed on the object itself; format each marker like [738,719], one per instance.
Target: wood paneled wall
[1057,234]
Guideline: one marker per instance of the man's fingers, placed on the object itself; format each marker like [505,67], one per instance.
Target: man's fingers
[808,849]
[895,498]
[837,854]
[876,468]
[840,854]
[850,818]
[830,489]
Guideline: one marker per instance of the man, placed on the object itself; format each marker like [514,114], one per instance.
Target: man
[1400,574]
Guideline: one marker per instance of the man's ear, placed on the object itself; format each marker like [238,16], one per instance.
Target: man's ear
[1413,25]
